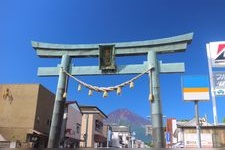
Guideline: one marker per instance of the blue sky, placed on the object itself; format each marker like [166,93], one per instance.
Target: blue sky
[106,21]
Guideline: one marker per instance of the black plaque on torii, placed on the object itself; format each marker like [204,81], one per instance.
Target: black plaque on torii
[107,58]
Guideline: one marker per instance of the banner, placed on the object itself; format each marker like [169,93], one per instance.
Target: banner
[217,53]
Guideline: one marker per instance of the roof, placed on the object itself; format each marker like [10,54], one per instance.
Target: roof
[32,131]
[92,110]
[192,123]
[120,128]
[72,103]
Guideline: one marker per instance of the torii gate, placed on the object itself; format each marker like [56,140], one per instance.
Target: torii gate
[149,47]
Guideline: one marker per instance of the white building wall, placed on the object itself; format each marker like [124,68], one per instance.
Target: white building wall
[174,127]
[116,140]
[74,118]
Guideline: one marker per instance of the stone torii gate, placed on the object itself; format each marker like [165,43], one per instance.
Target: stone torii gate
[149,47]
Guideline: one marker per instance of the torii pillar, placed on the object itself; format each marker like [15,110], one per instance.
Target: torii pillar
[150,48]
[58,111]
[156,108]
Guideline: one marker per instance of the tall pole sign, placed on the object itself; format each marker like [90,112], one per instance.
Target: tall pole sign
[195,89]
[106,54]
[216,59]
[217,53]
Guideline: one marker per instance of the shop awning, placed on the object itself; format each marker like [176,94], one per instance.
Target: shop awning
[2,138]
[99,138]
[32,131]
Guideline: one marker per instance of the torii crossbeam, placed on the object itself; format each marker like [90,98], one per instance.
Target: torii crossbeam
[149,47]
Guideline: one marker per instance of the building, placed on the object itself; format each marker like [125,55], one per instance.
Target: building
[93,131]
[185,135]
[139,144]
[171,126]
[72,121]
[26,113]
[121,136]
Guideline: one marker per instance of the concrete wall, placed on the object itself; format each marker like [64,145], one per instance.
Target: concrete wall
[17,116]
[20,104]
[44,110]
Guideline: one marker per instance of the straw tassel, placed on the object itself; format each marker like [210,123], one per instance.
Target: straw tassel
[151,97]
[90,92]
[131,84]
[79,88]
[118,91]
[64,95]
[105,94]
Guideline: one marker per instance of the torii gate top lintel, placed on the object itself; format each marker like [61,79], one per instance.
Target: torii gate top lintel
[164,45]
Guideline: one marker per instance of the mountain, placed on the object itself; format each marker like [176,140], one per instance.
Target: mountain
[134,121]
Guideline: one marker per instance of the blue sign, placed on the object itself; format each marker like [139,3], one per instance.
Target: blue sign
[168,137]
[195,81]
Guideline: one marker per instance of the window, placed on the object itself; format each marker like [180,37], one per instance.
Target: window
[98,125]
[78,128]
[120,139]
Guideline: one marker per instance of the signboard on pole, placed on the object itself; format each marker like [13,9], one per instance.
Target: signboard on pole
[167,137]
[195,88]
[219,83]
[217,53]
